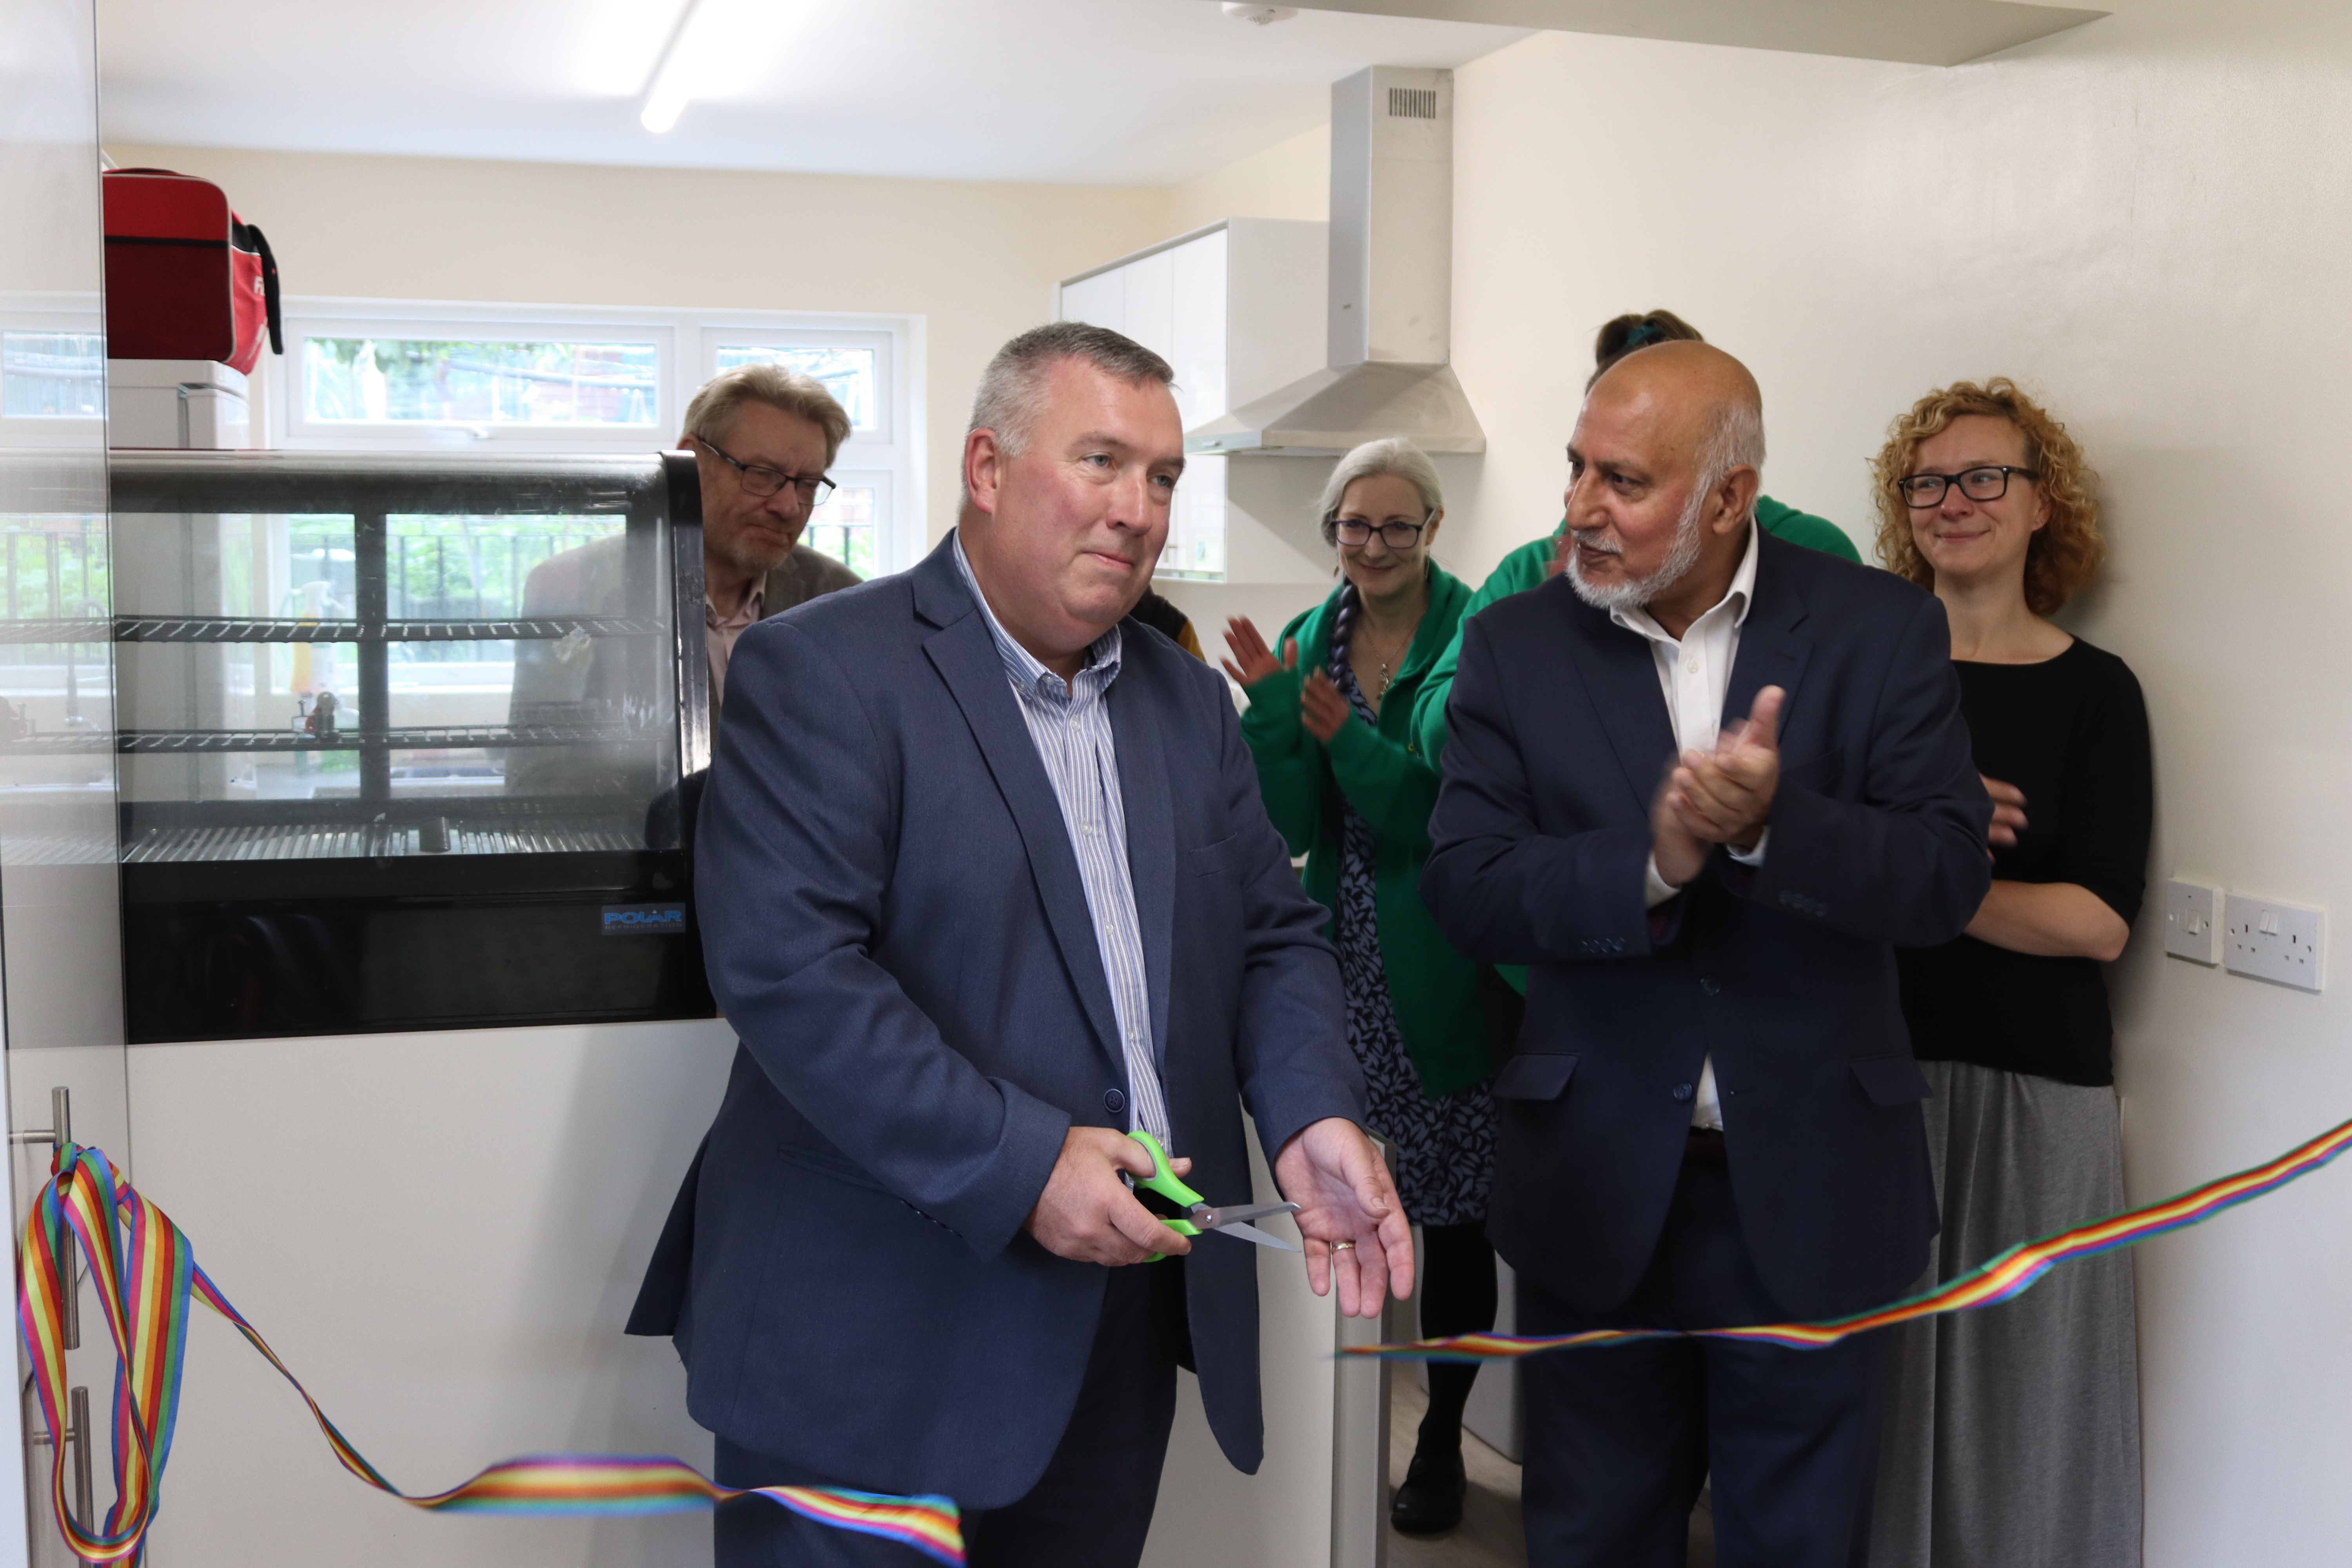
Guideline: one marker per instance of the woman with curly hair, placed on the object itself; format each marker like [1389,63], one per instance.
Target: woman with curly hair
[2012,1436]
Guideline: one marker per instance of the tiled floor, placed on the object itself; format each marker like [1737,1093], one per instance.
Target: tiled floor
[1489,1535]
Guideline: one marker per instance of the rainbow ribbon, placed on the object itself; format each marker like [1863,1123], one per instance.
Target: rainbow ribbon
[146,1272]
[2011,1274]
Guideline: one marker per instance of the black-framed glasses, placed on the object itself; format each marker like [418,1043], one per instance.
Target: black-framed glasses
[1988,483]
[760,481]
[1396,535]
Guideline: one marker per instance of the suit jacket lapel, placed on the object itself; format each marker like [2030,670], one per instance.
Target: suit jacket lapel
[965,655]
[1620,678]
[1770,651]
[1150,837]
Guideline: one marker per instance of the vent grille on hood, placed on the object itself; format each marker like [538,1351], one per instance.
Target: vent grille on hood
[1391,294]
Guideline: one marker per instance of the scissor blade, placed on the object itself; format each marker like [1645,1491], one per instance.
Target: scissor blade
[1252,1233]
[1233,1214]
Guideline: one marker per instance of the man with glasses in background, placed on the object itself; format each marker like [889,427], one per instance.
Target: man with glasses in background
[763,438]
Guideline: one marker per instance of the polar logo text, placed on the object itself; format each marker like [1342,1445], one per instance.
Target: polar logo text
[644,920]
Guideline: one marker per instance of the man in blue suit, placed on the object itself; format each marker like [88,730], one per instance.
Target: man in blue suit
[984,883]
[1712,1118]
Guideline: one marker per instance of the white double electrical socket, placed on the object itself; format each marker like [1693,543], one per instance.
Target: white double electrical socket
[2272,941]
[2192,921]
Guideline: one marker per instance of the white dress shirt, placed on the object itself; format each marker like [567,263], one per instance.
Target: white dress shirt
[1695,674]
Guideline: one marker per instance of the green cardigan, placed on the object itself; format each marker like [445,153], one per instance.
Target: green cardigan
[1526,567]
[1382,774]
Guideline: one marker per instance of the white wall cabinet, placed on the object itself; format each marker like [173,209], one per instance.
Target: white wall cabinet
[1237,308]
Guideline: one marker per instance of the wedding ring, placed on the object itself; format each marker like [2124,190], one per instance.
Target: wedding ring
[1343,1246]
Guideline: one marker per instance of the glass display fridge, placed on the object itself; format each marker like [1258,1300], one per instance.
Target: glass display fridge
[402,739]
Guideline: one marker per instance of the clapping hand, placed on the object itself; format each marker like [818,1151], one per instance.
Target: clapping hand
[2008,811]
[1321,707]
[1253,661]
[1727,797]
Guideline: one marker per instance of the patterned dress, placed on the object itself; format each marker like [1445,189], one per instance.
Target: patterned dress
[1446,1148]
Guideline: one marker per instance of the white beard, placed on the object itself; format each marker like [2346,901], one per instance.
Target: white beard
[1633,593]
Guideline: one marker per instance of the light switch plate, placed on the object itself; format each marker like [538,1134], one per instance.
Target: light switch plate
[2272,941]
[2192,921]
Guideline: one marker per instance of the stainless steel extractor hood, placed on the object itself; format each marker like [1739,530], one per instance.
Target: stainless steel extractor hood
[1392,295]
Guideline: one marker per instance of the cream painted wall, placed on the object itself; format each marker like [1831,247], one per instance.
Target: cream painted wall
[2144,219]
[978,262]
[1290,179]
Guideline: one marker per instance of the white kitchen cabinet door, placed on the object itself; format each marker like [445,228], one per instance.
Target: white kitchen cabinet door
[1100,300]
[1149,283]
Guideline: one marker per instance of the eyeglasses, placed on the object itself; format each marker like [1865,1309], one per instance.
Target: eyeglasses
[760,481]
[1923,490]
[1396,535]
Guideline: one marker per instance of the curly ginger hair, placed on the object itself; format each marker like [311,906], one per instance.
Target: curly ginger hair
[2066,551]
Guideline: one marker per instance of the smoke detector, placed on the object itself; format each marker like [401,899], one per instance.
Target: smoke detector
[1259,15]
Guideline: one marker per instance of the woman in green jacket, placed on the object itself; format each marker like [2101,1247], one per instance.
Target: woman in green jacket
[1345,782]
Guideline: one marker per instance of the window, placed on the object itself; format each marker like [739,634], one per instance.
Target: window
[52,375]
[411,375]
[849,373]
[420,381]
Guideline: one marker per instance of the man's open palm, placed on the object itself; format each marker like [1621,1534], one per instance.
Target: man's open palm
[1341,1184]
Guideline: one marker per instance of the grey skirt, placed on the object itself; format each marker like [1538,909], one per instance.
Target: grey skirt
[2012,1433]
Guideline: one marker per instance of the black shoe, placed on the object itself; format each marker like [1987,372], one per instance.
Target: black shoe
[1429,1502]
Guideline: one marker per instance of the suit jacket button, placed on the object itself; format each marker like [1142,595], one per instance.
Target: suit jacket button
[1114,1102]
[1707,983]
[1685,1091]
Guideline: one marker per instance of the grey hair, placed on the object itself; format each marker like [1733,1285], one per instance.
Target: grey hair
[1372,461]
[1735,439]
[1011,395]
[779,387]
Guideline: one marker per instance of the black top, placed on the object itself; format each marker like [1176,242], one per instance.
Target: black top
[2071,732]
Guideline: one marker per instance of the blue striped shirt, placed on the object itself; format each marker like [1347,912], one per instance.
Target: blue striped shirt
[1071,728]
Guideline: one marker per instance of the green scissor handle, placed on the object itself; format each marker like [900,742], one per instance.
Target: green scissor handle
[1163,1181]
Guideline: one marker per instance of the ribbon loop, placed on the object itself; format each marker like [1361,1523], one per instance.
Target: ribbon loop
[145,1274]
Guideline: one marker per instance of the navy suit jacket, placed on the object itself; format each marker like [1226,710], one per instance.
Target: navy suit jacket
[1558,738]
[897,930]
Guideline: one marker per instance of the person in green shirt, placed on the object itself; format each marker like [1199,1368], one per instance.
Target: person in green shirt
[1345,783]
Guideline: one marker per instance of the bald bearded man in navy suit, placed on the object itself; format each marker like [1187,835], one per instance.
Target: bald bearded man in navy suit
[1701,783]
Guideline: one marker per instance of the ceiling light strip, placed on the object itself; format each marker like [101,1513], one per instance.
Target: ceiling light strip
[672,85]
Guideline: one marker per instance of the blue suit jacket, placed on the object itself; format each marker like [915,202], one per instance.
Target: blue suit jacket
[1785,973]
[897,929]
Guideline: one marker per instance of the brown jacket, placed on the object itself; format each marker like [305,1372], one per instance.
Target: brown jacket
[804,576]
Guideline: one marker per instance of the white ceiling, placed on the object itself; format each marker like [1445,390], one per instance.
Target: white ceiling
[1129,92]
[1921,32]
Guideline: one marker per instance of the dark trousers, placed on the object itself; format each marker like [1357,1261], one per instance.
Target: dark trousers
[1091,1509]
[1619,1437]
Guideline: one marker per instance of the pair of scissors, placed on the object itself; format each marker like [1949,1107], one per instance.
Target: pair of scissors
[1199,1218]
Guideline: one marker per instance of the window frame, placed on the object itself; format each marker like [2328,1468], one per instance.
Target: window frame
[685,344]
